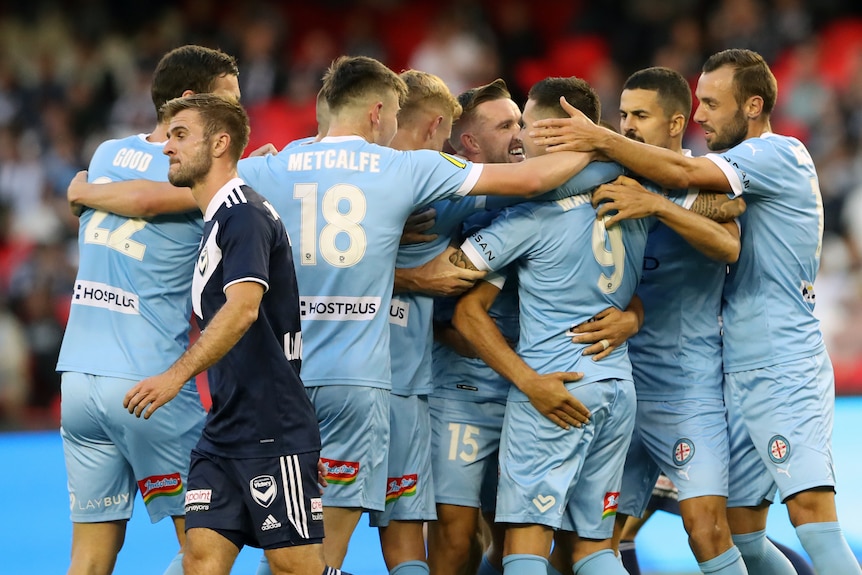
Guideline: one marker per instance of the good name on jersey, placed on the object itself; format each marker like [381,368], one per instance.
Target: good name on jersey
[132,159]
[334,159]
[96,294]
[336,308]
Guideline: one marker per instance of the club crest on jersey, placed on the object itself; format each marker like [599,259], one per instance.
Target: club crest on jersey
[612,501]
[263,490]
[340,472]
[455,161]
[683,451]
[807,291]
[203,260]
[779,449]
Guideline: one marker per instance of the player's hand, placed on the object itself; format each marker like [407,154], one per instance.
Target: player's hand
[606,331]
[264,150]
[628,198]
[417,224]
[441,278]
[549,396]
[321,475]
[576,133]
[150,394]
[73,192]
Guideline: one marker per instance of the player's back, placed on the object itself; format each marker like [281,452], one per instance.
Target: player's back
[344,202]
[131,303]
[768,307]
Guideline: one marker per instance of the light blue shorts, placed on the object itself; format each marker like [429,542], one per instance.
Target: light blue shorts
[465,445]
[567,479]
[685,439]
[781,420]
[110,453]
[410,484]
[354,433]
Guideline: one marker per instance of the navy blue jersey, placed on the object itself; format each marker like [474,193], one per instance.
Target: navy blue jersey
[259,404]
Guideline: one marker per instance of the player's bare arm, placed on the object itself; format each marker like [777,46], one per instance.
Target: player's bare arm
[226,328]
[438,277]
[663,166]
[132,198]
[630,200]
[547,393]
[458,259]
[609,329]
[531,177]
[718,207]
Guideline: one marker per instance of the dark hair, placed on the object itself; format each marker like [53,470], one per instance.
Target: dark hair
[546,94]
[192,68]
[674,92]
[751,76]
[352,77]
[218,114]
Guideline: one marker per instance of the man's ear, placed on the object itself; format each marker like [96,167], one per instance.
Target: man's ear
[470,143]
[433,126]
[753,107]
[677,125]
[374,114]
[221,144]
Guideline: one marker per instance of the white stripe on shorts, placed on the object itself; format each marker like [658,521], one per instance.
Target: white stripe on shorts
[294,496]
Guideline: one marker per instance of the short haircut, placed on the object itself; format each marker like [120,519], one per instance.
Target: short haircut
[218,114]
[751,75]
[426,90]
[546,94]
[192,68]
[474,97]
[350,78]
[674,92]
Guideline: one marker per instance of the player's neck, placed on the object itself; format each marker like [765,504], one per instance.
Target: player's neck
[758,127]
[206,189]
[337,129]
[159,133]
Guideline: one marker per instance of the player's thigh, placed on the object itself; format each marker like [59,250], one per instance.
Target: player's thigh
[749,480]
[465,442]
[100,480]
[354,432]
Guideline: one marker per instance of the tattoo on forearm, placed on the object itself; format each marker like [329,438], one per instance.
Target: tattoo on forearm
[716,207]
[460,260]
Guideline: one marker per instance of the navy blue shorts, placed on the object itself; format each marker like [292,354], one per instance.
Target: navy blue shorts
[268,502]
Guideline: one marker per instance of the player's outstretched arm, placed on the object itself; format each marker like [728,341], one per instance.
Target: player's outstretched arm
[531,177]
[132,198]
[663,166]
[226,328]
[630,200]
[609,329]
[438,277]
[547,393]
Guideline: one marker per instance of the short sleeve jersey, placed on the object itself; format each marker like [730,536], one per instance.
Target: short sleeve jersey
[768,308]
[570,267]
[675,355]
[345,201]
[131,303]
[259,405]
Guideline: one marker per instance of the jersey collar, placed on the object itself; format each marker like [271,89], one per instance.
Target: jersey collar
[220,197]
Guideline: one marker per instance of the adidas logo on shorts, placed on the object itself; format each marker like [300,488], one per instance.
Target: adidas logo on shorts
[270,523]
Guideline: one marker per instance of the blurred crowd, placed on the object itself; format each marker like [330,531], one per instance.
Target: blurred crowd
[77,72]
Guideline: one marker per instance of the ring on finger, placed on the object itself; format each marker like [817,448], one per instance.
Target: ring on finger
[605,344]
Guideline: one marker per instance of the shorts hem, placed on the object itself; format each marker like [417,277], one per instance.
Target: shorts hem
[805,487]
[527,520]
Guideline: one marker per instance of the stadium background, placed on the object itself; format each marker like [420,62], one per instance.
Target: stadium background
[77,72]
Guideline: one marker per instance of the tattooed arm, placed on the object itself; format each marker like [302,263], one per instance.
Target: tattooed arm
[460,260]
[718,207]
[631,200]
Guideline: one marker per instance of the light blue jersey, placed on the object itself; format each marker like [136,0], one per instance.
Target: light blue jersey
[675,355]
[561,282]
[344,202]
[411,314]
[769,295]
[132,300]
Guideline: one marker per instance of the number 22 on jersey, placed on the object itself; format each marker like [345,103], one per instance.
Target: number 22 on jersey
[119,239]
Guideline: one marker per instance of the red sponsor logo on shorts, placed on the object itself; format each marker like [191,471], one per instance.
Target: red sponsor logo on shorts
[404,486]
[612,500]
[340,472]
[159,485]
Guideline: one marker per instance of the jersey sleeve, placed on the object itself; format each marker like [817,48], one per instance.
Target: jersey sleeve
[751,167]
[511,235]
[438,175]
[245,240]
[592,176]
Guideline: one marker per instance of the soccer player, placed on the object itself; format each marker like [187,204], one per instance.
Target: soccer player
[562,478]
[777,370]
[130,319]
[253,474]
[346,199]
[681,423]
[469,398]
